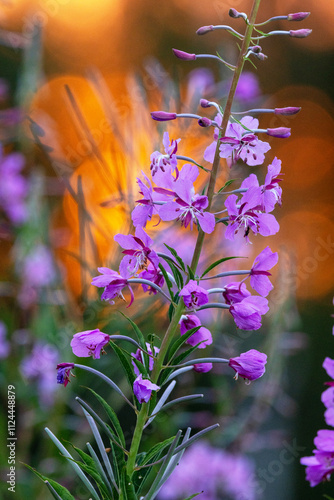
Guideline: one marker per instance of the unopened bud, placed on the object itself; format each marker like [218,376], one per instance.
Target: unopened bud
[290,110]
[235,14]
[163,116]
[261,56]
[298,16]
[205,103]
[185,56]
[256,49]
[204,29]
[280,132]
[204,122]
[300,33]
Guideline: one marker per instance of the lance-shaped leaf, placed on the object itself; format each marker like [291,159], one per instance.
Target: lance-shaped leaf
[165,461]
[99,468]
[177,257]
[216,263]
[101,447]
[74,465]
[125,362]
[138,332]
[182,399]
[127,487]
[160,403]
[167,280]
[60,490]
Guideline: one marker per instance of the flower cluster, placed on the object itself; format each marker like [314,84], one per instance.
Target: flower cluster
[320,466]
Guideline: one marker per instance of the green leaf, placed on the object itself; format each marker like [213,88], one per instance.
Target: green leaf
[194,495]
[176,255]
[328,498]
[125,362]
[112,417]
[180,341]
[167,280]
[61,490]
[138,332]
[228,183]
[177,275]
[191,273]
[216,263]
[127,487]
[92,472]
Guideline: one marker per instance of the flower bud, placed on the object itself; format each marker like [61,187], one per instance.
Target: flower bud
[185,56]
[298,16]
[261,56]
[204,29]
[205,103]
[204,122]
[290,110]
[235,14]
[280,132]
[300,33]
[163,116]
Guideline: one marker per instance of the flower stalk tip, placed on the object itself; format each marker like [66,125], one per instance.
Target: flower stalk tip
[162,116]
[298,16]
[185,56]
[204,29]
[303,33]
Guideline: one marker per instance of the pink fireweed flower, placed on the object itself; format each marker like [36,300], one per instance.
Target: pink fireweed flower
[271,192]
[319,467]
[194,295]
[247,313]
[143,388]
[203,367]
[202,336]
[324,440]
[249,365]
[152,274]
[137,252]
[160,160]
[327,396]
[145,209]
[246,215]
[139,356]
[235,292]
[89,343]
[64,372]
[259,280]
[113,284]
[240,143]
[188,209]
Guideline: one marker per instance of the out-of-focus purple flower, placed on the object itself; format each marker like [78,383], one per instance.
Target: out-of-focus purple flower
[113,284]
[145,208]
[248,88]
[4,344]
[203,367]
[152,274]
[202,336]
[249,365]
[213,472]
[139,356]
[259,273]
[64,372]
[194,296]
[143,388]
[89,343]
[209,152]
[200,80]
[324,440]
[38,367]
[235,292]
[13,187]
[160,160]
[137,252]
[239,143]
[38,267]
[247,313]
[245,214]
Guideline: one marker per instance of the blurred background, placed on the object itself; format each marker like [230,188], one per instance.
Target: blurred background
[77,82]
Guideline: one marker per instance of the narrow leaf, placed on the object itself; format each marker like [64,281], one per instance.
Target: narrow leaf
[228,183]
[61,490]
[216,263]
[161,402]
[127,487]
[191,273]
[176,255]
[125,362]
[167,280]
[138,332]
[99,468]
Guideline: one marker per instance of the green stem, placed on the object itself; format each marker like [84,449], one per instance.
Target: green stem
[173,326]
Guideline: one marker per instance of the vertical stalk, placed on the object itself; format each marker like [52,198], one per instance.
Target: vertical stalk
[143,414]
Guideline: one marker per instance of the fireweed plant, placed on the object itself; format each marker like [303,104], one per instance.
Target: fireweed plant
[166,193]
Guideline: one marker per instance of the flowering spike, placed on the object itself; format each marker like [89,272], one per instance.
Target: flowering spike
[298,16]
[204,122]
[280,132]
[303,33]
[163,116]
[185,56]
[204,29]
[290,110]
